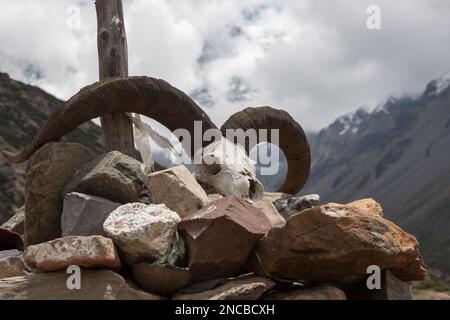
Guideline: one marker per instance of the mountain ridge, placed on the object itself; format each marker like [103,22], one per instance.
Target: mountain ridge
[397,154]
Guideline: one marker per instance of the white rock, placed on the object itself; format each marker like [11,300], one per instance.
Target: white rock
[143,233]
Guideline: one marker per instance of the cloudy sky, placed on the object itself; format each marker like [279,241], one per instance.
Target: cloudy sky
[315,58]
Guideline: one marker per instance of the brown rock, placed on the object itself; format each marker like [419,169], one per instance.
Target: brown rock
[89,252]
[246,287]
[163,280]
[314,293]
[336,243]
[12,264]
[48,172]
[272,214]
[10,240]
[17,222]
[113,176]
[177,188]
[391,289]
[369,206]
[95,285]
[221,236]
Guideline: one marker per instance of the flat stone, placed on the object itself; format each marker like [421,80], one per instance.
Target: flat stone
[17,222]
[10,240]
[163,280]
[95,285]
[335,244]
[58,254]
[143,233]
[12,264]
[178,189]
[314,293]
[49,170]
[221,236]
[246,287]
[84,215]
[391,289]
[271,213]
[113,176]
[292,205]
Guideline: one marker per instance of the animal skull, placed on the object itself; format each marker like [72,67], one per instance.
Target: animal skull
[226,167]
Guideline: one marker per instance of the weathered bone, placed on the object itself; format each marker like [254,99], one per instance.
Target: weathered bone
[226,167]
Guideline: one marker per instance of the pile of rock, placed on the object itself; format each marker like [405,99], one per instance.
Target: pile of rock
[142,235]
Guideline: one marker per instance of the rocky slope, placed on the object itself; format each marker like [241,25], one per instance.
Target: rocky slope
[399,155]
[24,109]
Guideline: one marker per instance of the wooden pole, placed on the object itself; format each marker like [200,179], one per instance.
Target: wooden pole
[113,62]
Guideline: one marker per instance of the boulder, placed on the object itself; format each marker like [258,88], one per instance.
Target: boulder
[248,287]
[271,213]
[177,188]
[12,264]
[58,254]
[113,176]
[83,215]
[292,205]
[95,285]
[17,222]
[221,236]
[10,240]
[326,292]
[336,243]
[49,170]
[163,280]
[143,233]
[391,289]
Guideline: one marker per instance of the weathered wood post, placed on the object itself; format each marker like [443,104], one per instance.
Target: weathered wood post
[113,62]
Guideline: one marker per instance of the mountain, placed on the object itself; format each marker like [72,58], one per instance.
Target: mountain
[23,110]
[399,154]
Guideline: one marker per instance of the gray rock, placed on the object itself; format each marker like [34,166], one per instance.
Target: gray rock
[95,285]
[247,287]
[113,176]
[143,233]
[17,222]
[49,171]
[84,215]
[12,264]
[163,280]
[292,205]
[392,288]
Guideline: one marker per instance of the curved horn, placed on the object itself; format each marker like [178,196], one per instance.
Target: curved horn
[292,141]
[150,97]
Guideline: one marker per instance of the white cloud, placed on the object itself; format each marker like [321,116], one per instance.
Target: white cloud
[314,58]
